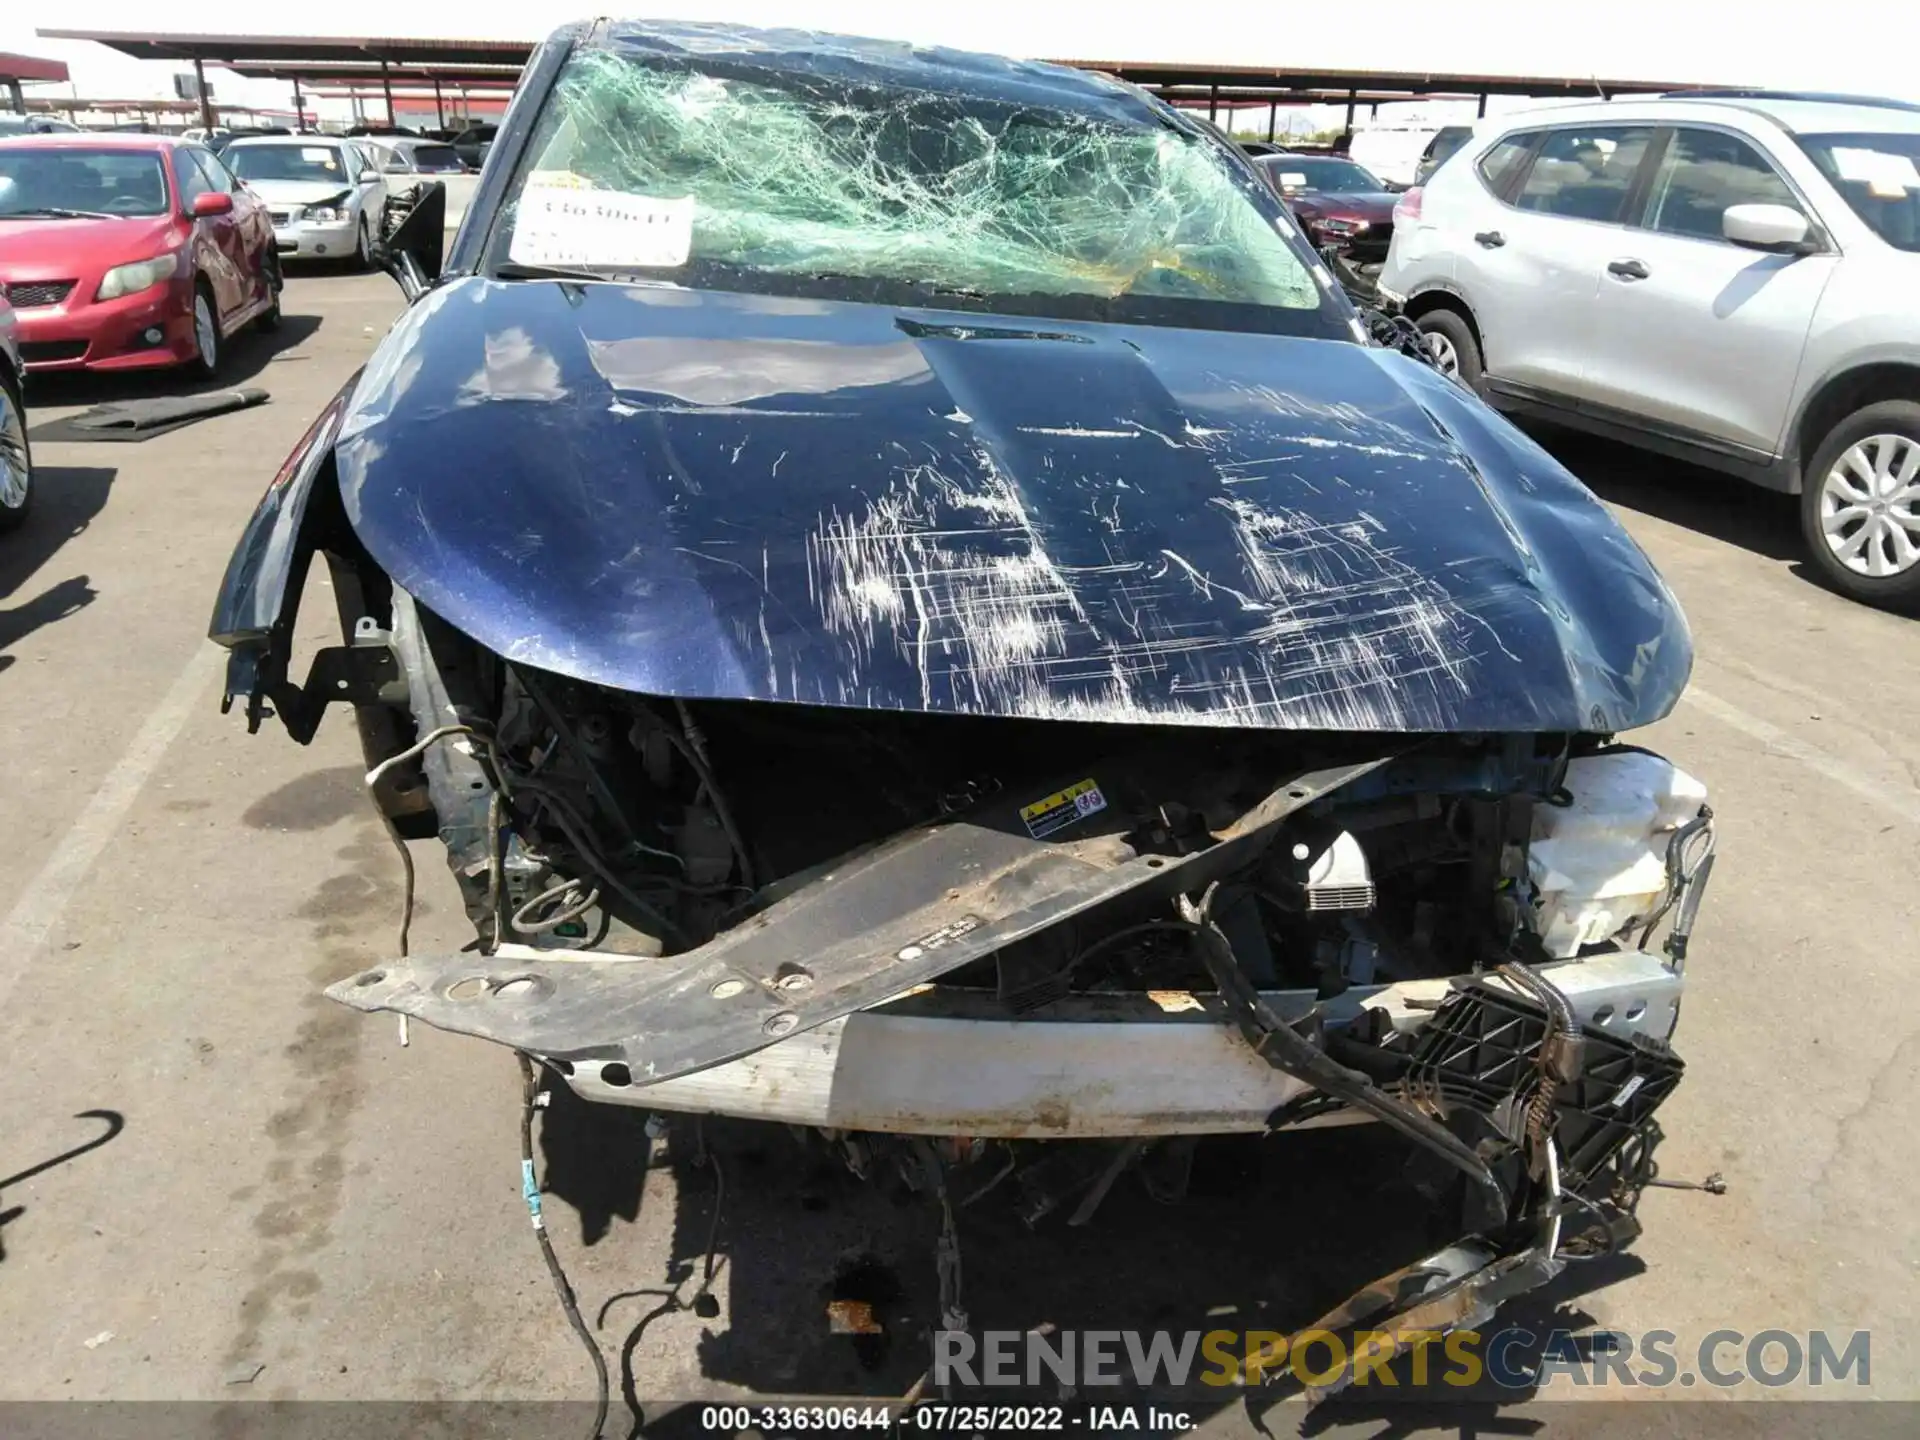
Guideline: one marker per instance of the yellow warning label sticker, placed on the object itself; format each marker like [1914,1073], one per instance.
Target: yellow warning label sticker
[1062,808]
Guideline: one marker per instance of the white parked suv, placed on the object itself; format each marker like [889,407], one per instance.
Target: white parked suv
[1728,277]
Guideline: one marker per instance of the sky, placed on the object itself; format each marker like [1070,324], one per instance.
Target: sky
[1845,45]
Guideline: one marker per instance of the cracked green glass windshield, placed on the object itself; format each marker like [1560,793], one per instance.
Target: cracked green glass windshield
[685,173]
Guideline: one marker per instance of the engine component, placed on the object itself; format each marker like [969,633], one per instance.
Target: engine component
[1599,864]
[1482,1051]
[703,846]
[1332,875]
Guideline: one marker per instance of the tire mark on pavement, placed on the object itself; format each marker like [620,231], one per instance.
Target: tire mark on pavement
[303,1186]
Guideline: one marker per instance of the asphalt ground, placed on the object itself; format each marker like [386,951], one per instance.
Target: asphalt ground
[273,1201]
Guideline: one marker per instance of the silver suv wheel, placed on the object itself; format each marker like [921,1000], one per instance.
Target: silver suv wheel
[1870,506]
[1446,359]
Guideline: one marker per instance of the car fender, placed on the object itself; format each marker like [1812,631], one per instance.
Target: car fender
[1427,296]
[254,611]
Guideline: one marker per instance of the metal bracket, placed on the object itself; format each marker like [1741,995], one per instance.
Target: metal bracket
[363,673]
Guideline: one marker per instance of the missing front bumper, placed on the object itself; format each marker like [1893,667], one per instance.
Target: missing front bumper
[949,1062]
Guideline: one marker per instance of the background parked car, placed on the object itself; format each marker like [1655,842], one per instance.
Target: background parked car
[1446,142]
[1336,202]
[16,456]
[124,252]
[411,155]
[324,193]
[473,143]
[36,125]
[1734,281]
[219,140]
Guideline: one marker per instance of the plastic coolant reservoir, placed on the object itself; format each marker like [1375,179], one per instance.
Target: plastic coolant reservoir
[1600,864]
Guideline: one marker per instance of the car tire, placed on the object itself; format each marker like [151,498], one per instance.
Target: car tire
[1860,506]
[269,318]
[206,332]
[16,457]
[1454,347]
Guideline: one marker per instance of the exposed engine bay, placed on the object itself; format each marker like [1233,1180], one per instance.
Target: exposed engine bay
[722,907]
[580,818]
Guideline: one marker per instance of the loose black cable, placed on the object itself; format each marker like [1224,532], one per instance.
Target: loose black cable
[530,1090]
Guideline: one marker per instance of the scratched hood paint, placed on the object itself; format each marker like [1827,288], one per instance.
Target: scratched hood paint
[716,495]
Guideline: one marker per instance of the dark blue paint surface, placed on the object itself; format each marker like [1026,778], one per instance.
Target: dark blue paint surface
[715,495]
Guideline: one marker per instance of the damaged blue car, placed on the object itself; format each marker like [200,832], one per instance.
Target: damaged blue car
[917,609]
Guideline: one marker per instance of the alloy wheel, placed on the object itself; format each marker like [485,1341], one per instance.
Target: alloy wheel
[1446,359]
[205,336]
[1870,506]
[16,473]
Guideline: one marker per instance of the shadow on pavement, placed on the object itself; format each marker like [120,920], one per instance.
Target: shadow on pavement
[1272,1233]
[595,1158]
[1722,507]
[115,1123]
[247,354]
[66,498]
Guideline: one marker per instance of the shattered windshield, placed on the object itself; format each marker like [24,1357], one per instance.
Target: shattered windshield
[730,177]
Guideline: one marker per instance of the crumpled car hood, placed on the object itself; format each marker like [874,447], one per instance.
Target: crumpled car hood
[299,192]
[718,495]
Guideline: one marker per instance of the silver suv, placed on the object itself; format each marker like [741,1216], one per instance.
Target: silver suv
[1732,278]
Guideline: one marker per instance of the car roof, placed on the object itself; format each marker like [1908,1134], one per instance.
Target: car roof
[253,140]
[1796,114]
[96,140]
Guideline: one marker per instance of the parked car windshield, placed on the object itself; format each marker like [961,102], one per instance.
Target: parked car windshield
[287,162]
[897,195]
[49,181]
[1880,177]
[433,159]
[1293,172]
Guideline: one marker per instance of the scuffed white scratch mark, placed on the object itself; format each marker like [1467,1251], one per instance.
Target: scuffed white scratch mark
[1207,586]
[959,416]
[736,453]
[1327,442]
[753,410]
[1079,432]
[620,407]
[1315,622]
[766,649]
[1161,436]
[776,466]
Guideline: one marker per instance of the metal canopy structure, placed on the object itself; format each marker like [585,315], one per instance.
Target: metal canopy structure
[30,69]
[1215,88]
[479,64]
[309,59]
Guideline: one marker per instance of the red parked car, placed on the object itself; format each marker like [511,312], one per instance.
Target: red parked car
[123,252]
[1336,202]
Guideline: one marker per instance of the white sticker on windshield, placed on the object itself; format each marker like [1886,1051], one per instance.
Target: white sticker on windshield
[1887,176]
[1293,179]
[317,152]
[561,225]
